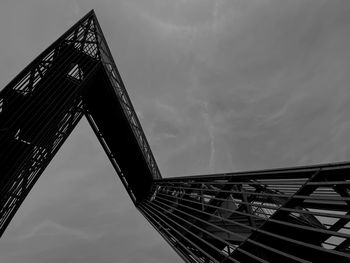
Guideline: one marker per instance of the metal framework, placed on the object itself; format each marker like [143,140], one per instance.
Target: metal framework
[287,215]
[297,214]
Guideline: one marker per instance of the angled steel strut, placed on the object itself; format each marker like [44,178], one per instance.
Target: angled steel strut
[298,214]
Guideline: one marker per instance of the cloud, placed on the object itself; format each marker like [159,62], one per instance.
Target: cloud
[272,87]
[49,228]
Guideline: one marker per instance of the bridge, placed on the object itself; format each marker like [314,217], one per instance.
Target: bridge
[297,214]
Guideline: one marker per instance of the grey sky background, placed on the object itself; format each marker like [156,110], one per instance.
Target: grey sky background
[218,86]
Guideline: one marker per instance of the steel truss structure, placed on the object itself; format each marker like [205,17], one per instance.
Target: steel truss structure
[284,215]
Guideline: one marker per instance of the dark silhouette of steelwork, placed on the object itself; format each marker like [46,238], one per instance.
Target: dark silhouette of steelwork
[297,214]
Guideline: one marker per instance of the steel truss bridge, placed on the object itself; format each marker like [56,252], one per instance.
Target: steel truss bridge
[297,214]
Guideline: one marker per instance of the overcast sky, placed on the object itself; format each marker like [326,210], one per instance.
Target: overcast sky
[218,86]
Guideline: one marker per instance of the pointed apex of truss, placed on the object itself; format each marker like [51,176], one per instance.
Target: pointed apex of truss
[74,76]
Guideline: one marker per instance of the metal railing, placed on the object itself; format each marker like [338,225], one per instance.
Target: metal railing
[260,216]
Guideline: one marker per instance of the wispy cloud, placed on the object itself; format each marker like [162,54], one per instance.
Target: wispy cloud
[49,228]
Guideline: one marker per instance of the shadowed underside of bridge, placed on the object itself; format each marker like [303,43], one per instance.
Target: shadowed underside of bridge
[284,215]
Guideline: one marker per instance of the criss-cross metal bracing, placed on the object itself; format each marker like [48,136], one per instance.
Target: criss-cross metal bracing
[285,215]
[41,106]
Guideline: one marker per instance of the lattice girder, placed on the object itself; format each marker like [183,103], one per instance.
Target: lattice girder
[41,106]
[285,215]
